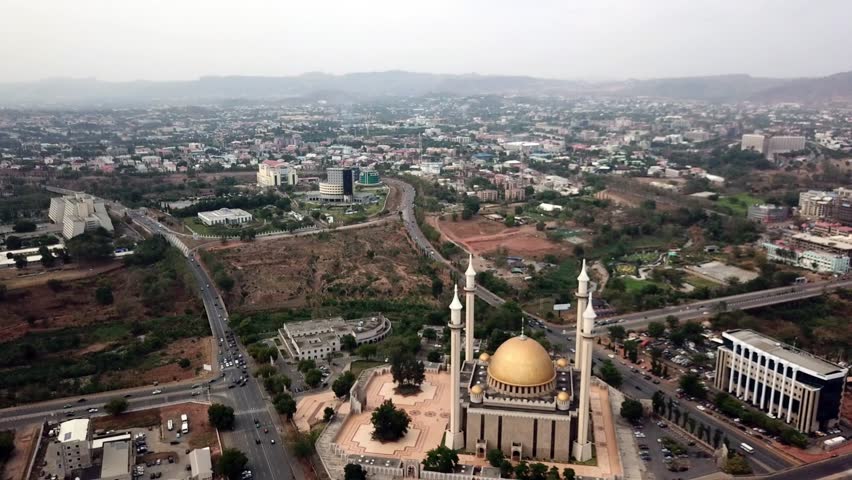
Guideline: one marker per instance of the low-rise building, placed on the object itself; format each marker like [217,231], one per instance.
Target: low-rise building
[74,436]
[117,460]
[200,464]
[225,216]
[837,244]
[767,213]
[815,260]
[787,383]
[315,339]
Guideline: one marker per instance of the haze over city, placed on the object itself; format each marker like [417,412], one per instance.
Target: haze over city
[168,40]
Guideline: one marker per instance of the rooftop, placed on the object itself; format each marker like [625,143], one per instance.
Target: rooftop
[74,430]
[841,242]
[116,459]
[225,213]
[199,461]
[805,360]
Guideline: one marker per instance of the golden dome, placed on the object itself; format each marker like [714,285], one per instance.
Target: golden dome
[476,389]
[562,363]
[484,357]
[523,362]
[563,396]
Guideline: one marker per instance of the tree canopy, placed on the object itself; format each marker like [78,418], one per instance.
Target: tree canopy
[389,423]
[221,416]
[441,459]
[231,463]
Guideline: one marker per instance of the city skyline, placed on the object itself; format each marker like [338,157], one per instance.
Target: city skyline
[137,41]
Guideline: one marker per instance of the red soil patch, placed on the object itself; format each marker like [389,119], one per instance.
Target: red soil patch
[16,466]
[197,350]
[482,236]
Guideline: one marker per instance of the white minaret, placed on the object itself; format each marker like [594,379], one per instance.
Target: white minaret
[582,301]
[469,293]
[582,446]
[454,437]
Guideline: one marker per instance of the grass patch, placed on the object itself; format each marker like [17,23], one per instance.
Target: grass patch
[738,204]
[699,282]
[359,366]
[633,285]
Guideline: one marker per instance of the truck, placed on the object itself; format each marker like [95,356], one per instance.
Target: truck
[184,428]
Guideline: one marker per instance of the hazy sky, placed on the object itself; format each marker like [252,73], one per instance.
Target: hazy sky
[185,39]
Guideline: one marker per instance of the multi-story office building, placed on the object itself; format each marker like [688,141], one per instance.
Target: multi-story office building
[785,382]
[809,259]
[751,141]
[767,213]
[816,204]
[271,173]
[785,144]
[74,436]
[79,213]
[837,244]
[339,186]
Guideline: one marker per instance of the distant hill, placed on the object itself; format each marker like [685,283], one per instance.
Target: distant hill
[355,86]
[833,88]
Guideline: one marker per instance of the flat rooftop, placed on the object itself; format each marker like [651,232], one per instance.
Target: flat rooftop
[333,324]
[840,242]
[786,352]
[225,213]
[116,459]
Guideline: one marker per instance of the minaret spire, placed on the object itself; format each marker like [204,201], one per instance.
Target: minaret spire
[582,445]
[582,300]
[455,436]
[469,300]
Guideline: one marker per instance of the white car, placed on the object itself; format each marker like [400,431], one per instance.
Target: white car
[156,392]
[93,410]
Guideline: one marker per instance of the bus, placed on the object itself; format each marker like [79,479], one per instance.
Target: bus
[746,448]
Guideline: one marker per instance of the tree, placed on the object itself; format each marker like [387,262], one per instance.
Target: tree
[47,258]
[509,221]
[221,416]
[522,471]
[353,471]
[495,457]
[658,402]
[540,226]
[610,374]
[407,371]
[348,343]
[313,377]
[7,444]
[343,384]
[430,334]
[553,473]
[616,333]
[672,322]
[91,246]
[103,295]
[434,356]
[285,405]
[506,469]
[13,242]
[184,363]
[231,463]
[21,262]
[692,386]
[327,414]
[116,406]
[568,474]
[437,287]
[306,364]
[389,423]
[24,226]
[737,465]
[656,329]
[538,471]
[441,459]
[631,410]
[367,351]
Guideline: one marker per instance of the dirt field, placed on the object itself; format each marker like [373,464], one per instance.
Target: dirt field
[481,236]
[13,278]
[197,350]
[16,466]
[297,272]
[37,308]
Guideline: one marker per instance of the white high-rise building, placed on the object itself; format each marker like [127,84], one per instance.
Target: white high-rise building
[754,142]
[79,213]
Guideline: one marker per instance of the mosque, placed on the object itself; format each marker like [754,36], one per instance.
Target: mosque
[519,400]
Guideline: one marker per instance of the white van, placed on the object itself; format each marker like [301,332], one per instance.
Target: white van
[746,448]
[184,417]
[170,425]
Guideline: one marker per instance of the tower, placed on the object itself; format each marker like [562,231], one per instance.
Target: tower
[455,437]
[582,446]
[469,298]
[582,300]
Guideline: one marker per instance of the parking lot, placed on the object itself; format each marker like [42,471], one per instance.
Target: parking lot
[650,439]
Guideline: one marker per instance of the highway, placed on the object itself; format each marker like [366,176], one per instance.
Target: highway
[764,459]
